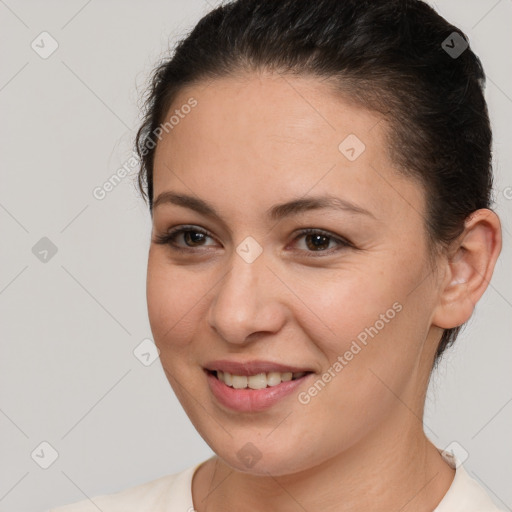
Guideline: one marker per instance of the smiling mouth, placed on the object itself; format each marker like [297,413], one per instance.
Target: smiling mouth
[257,381]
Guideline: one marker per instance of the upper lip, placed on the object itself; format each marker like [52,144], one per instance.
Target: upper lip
[252,367]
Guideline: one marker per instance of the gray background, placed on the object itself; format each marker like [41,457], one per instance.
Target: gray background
[68,375]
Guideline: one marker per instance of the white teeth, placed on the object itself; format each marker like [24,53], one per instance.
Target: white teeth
[286,376]
[258,381]
[273,378]
[239,381]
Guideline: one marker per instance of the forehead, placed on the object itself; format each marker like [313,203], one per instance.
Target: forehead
[275,136]
[268,108]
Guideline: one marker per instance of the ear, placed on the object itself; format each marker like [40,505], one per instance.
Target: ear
[470,265]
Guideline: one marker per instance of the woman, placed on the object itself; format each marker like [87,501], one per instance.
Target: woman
[319,180]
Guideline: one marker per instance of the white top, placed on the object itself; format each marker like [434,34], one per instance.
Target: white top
[173,493]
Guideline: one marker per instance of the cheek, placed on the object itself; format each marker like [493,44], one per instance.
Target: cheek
[353,304]
[367,365]
[174,299]
[368,320]
[379,327]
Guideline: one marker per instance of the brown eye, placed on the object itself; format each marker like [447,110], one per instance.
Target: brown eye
[191,236]
[186,238]
[315,242]
[320,241]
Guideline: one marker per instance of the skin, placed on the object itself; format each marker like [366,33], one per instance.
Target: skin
[254,141]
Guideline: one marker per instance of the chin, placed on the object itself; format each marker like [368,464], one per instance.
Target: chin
[269,460]
[264,467]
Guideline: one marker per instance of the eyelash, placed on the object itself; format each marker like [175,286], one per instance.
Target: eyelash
[170,238]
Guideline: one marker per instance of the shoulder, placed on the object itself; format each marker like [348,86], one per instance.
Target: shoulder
[465,494]
[169,493]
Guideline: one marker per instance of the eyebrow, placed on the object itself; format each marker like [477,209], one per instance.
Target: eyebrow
[276,212]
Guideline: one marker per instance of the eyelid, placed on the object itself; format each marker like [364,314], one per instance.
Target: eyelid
[310,231]
[171,234]
[166,239]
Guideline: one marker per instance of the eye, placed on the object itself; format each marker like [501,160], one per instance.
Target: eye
[317,240]
[191,235]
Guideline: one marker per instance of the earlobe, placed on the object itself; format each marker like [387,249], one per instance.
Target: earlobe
[469,270]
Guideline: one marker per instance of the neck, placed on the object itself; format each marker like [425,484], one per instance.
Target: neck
[407,473]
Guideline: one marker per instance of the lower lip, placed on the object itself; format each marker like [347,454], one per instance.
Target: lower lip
[252,400]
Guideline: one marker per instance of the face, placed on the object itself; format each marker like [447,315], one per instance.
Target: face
[243,290]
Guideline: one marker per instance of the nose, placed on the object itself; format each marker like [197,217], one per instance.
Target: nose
[248,302]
